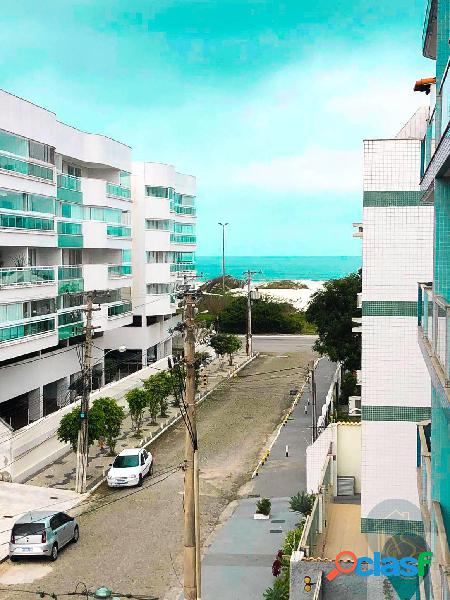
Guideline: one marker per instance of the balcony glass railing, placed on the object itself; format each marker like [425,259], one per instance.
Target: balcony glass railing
[68,331]
[22,222]
[182,210]
[26,329]
[178,267]
[18,276]
[70,279]
[70,272]
[430,140]
[66,318]
[118,231]
[434,319]
[119,309]
[445,111]
[25,168]
[183,239]
[118,191]
[69,182]
[119,270]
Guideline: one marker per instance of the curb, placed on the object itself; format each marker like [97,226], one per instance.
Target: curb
[146,442]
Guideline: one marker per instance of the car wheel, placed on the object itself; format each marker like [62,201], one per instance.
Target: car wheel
[54,553]
[76,535]
[151,470]
[13,558]
[140,480]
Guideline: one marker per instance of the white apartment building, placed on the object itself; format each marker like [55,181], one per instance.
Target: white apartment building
[397,253]
[67,212]
[164,242]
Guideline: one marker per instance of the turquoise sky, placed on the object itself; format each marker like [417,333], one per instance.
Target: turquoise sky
[265,101]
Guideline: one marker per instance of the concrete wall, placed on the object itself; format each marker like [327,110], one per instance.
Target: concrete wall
[348,456]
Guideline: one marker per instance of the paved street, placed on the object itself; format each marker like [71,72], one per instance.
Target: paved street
[282,343]
[132,540]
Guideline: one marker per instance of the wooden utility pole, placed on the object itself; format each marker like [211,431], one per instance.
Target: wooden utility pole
[83,434]
[248,341]
[191,568]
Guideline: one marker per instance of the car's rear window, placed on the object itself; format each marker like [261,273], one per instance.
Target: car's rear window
[122,462]
[28,528]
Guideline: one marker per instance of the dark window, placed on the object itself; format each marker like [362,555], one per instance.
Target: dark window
[142,459]
[130,460]
[145,455]
[66,518]
[151,321]
[137,321]
[56,521]
[28,529]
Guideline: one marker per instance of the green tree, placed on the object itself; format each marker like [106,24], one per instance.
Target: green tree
[109,416]
[348,387]
[225,343]
[332,310]
[159,387]
[137,403]
[70,425]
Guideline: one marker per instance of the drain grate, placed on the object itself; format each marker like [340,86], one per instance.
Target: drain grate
[278,521]
[253,496]
[276,531]
[7,516]
[53,497]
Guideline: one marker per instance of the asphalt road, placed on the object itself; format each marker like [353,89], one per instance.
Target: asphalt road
[131,540]
[282,343]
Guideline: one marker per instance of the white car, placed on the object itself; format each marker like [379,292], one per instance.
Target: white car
[130,467]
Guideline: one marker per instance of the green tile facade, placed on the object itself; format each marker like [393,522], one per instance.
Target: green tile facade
[395,413]
[442,238]
[389,308]
[391,526]
[382,199]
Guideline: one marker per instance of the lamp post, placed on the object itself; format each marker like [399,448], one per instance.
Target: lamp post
[223,225]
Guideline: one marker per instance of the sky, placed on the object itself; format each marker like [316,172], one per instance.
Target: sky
[265,101]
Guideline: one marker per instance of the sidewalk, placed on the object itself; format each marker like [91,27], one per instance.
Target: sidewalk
[237,565]
[61,474]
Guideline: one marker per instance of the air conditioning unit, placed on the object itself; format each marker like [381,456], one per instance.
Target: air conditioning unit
[345,486]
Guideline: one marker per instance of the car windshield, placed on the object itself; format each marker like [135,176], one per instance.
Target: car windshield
[28,528]
[130,460]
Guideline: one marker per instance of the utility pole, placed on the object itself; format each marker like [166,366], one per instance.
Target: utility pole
[191,516]
[248,344]
[223,256]
[313,402]
[83,434]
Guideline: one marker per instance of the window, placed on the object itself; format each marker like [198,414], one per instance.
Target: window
[185,228]
[125,179]
[56,521]
[129,460]
[159,192]
[70,211]
[154,256]
[25,529]
[142,460]
[73,170]
[144,454]
[151,320]
[126,256]
[32,257]
[42,152]
[159,288]
[157,224]
[65,227]
[13,144]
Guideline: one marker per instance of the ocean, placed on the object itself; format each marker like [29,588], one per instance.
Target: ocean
[316,268]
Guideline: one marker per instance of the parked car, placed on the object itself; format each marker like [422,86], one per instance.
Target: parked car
[130,467]
[41,533]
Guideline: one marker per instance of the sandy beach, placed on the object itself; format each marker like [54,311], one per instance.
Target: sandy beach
[298,298]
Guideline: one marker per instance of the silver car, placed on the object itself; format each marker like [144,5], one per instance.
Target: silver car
[40,533]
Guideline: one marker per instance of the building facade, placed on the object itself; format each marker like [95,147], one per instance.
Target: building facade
[397,252]
[434,300]
[75,220]
[164,242]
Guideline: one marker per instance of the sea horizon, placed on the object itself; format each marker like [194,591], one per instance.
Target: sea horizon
[314,268]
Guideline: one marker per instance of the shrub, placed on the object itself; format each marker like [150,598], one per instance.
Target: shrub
[292,540]
[302,503]
[263,506]
[279,590]
[225,343]
[348,387]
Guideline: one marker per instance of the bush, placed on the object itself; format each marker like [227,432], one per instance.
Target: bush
[292,540]
[263,506]
[159,387]
[302,503]
[279,590]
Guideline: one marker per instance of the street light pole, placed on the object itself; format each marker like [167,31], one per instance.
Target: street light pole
[223,256]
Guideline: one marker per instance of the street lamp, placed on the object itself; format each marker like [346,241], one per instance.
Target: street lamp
[223,225]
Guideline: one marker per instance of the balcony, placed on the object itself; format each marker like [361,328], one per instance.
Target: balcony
[70,324]
[118,231]
[115,271]
[183,239]
[26,276]
[179,209]
[70,235]
[70,279]
[23,167]
[27,335]
[69,188]
[182,267]
[432,514]
[121,308]
[118,191]
[23,230]
[434,326]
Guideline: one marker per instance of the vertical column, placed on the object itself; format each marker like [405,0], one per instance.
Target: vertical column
[35,405]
